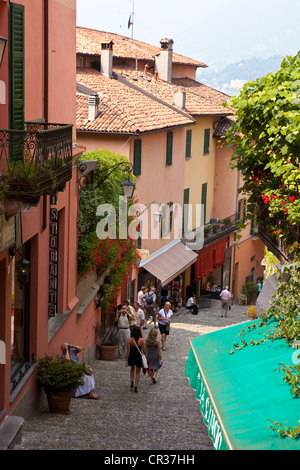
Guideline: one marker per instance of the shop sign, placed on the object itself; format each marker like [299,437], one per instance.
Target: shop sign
[209,415]
[53,257]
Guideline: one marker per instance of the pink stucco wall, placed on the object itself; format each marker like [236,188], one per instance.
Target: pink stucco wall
[225,184]
[61,109]
[157,182]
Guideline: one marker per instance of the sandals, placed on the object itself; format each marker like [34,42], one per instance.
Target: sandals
[94,396]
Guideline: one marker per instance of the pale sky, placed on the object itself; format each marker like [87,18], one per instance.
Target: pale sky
[216,32]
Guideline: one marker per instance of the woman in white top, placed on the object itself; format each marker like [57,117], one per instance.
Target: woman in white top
[164,318]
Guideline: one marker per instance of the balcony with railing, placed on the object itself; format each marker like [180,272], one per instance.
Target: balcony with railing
[215,230]
[219,228]
[35,161]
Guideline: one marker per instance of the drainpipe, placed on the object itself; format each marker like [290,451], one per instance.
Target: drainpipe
[46,59]
[234,248]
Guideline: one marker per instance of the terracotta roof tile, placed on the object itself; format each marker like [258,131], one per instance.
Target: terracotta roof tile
[201,100]
[89,42]
[122,108]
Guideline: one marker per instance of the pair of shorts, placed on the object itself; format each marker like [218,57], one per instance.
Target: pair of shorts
[150,312]
[162,329]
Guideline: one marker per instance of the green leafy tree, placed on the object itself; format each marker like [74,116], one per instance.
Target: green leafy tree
[266,148]
[117,255]
[266,142]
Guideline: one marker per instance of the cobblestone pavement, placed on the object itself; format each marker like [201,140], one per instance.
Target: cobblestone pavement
[164,416]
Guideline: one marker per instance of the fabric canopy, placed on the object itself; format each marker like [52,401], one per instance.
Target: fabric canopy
[265,298]
[210,258]
[240,392]
[169,262]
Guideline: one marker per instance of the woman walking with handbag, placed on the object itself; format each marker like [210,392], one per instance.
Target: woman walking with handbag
[135,348]
[153,354]
[164,318]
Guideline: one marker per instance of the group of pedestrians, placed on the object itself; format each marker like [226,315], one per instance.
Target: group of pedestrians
[130,322]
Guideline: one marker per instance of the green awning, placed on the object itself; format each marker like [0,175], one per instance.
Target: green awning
[240,392]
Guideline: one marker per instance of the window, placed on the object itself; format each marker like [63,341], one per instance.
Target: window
[166,219]
[137,157]
[206,141]
[169,148]
[20,311]
[242,209]
[188,144]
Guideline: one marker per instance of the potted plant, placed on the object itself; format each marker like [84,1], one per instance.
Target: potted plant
[227,222]
[59,378]
[216,228]
[206,231]
[250,289]
[107,345]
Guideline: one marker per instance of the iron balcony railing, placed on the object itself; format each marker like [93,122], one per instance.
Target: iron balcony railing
[210,232]
[35,161]
[276,246]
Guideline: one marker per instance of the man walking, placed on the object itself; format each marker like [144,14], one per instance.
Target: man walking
[122,320]
[225,297]
[150,306]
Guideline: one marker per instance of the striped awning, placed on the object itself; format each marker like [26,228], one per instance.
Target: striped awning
[170,261]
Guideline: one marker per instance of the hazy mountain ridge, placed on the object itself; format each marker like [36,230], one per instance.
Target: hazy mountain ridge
[231,79]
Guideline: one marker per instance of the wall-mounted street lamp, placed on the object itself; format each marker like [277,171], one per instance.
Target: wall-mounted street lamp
[22,267]
[84,168]
[3,42]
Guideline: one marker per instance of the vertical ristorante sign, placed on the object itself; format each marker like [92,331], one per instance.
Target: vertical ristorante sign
[53,257]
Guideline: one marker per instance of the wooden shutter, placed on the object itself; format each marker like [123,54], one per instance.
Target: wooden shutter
[206,141]
[203,200]
[186,200]
[17,65]
[188,145]
[171,209]
[169,148]
[137,157]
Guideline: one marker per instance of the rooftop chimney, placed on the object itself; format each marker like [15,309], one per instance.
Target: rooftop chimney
[163,60]
[179,98]
[106,61]
[93,101]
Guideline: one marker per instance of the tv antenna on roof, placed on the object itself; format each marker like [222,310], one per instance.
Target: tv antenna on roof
[131,20]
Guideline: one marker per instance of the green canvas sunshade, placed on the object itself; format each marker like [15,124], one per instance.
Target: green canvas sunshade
[240,392]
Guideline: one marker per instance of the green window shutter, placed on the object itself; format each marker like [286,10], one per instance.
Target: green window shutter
[17,65]
[169,148]
[188,145]
[171,214]
[139,240]
[203,200]
[137,157]
[206,141]
[186,200]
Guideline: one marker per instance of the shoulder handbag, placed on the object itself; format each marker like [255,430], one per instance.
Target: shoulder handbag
[168,323]
[144,359]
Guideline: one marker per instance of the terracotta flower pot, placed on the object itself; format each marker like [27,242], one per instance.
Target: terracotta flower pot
[107,353]
[59,402]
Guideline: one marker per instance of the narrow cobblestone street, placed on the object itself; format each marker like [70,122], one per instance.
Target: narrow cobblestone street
[164,416]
